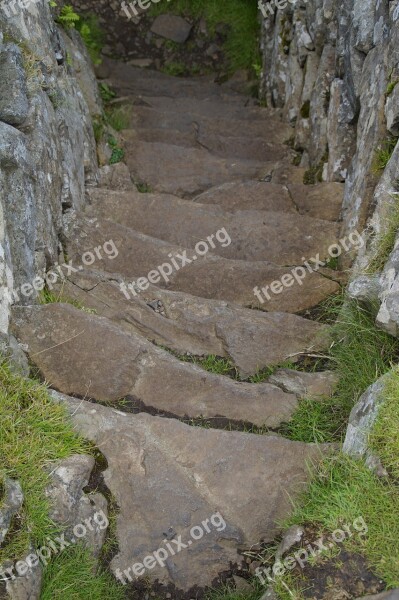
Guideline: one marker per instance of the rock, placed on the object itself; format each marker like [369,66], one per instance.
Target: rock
[143,63]
[392,112]
[362,419]
[242,586]
[172,28]
[388,595]
[10,503]
[16,357]
[365,288]
[291,537]
[83,516]
[168,477]
[270,594]
[14,103]
[305,385]
[323,200]
[27,587]
[248,195]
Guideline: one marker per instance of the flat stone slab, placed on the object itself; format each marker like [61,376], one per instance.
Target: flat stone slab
[184,171]
[278,237]
[305,385]
[323,200]
[251,339]
[168,477]
[249,195]
[86,355]
[210,276]
[172,28]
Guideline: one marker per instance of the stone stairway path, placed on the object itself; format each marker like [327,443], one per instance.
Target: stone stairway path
[213,161]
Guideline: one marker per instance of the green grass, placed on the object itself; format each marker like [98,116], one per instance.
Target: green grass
[344,489]
[386,240]
[176,69]
[228,593]
[360,353]
[383,155]
[74,575]
[242,44]
[118,117]
[106,92]
[143,188]
[34,433]
[391,86]
[92,35]
[384,439]
[49,297]
[118,153]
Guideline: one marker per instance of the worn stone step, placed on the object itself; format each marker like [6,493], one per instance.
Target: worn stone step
[185,171]
[209,276]
[245,147]
[252,340]
[87,355]
[278,237]
[321,201]
[168,477]
[160,119]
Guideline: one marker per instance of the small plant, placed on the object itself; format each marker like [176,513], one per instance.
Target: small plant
[92,35]
[175,69]
[143,188]
[118,153]
[106,92]
[383,155]
[68,17]
[391,86]
[305,110]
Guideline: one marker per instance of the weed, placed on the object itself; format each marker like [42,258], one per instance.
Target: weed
[175,69]
[118,153]
[68,17]
[106,92]
[383,155]
[48,297]
[143,188]
[391,86]
[92,35]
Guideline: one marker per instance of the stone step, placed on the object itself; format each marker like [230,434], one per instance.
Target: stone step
[86,355]
[127,79]
[321,201]
[209,276]
[278,237]
[186,171]
[245,147]
[252,340]
[230,120]
[167,478]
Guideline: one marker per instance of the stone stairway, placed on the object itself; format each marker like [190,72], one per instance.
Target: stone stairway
[216,165]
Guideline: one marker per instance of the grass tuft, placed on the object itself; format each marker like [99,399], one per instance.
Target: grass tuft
[34,433]
[384,439]
[359,354]
[118,118]
[383,155]
[74,575]
[344,489]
